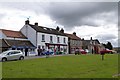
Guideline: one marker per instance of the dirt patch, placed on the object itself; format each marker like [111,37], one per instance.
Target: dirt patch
[116,75]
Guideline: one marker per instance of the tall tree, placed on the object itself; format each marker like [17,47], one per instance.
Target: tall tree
[109,45]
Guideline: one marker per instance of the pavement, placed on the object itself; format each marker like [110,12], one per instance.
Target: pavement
[32,57]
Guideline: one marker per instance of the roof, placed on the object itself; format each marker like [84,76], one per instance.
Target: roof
[3,43]
[72,36]
[18,43]
[46,30]
[88,42]
[13,34]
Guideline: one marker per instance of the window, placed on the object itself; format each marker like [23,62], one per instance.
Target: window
[51,39]
[43,47]
[64,40]
[43,38]
[16,52]
[58,40]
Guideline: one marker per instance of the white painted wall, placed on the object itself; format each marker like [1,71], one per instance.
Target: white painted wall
[47,39]
[23,30]
[2,35]
[30,33]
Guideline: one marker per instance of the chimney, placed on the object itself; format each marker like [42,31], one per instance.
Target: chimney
[27,22]
[57,28]
[62,30]
[36,24]
[74,33]
[91,38]
[82,38]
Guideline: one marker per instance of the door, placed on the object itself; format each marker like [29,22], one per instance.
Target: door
[11,56]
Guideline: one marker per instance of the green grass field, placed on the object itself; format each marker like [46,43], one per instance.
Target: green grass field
[72,66]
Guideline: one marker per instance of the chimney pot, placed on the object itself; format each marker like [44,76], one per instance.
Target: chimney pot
[36,24]
[74,33]
[27,22]
[90,38]
[62,30]
[57,28]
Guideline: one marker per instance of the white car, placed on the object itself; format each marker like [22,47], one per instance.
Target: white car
[11,55]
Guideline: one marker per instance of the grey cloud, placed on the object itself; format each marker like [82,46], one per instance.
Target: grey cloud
[106,37]
[31,6]
[76,14]
[70,14]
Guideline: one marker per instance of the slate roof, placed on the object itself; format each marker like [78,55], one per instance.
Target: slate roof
[16,43]
[13,34]
[72,36]
[46,30]
[20,43]
[88,42]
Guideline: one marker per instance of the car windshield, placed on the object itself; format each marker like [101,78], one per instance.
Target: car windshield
[4,52]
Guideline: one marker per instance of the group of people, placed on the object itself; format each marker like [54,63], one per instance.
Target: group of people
[44,52]
[49,51]
[39,50]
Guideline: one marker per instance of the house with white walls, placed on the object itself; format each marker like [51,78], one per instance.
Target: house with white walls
[46,38]
[15,40]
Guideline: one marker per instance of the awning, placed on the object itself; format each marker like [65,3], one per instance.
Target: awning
[56,44]
[20,44]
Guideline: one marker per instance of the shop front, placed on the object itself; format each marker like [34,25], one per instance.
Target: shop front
[57,48]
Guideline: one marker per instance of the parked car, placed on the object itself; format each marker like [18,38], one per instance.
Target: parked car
[86,50]
[48,52]
[11,55]
[106,51]
[83,51]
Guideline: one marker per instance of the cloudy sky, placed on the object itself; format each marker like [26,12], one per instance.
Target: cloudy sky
[88,19]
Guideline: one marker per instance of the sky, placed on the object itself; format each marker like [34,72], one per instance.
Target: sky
[98,20]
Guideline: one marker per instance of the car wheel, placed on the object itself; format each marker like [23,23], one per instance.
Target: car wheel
[4,59]
[21,58]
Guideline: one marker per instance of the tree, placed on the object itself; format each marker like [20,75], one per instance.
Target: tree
[109,46]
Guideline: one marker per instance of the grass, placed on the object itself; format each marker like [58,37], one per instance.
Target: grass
[72,66]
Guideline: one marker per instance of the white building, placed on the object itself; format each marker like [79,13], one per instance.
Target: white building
[46,38]
[10,39]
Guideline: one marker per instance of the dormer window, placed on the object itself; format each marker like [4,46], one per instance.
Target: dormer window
[45,28]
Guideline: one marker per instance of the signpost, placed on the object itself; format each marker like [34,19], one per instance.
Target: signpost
[102,53]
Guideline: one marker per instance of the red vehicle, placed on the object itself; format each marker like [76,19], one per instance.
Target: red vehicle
[106,51]
[83,51]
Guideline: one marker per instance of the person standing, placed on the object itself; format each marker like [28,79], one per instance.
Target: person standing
[39,51]
[47,53]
